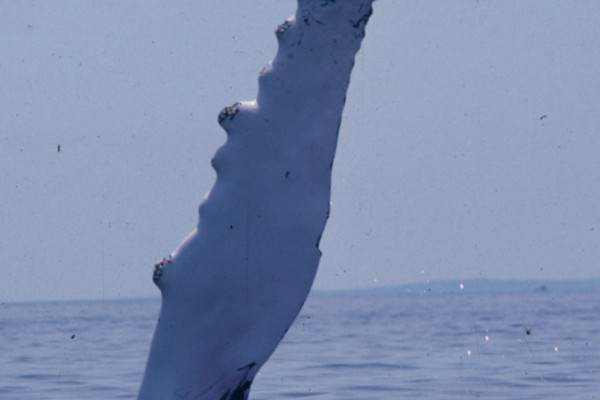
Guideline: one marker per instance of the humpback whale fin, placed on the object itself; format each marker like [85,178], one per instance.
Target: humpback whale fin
[236,283]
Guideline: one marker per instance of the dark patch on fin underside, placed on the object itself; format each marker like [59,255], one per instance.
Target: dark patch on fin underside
[248,367]
[361,23]
[242,390]
[325,3]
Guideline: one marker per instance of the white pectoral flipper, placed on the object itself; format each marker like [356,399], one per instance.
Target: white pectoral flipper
[234,286]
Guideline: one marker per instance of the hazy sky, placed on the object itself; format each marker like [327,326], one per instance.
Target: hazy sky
[470,145]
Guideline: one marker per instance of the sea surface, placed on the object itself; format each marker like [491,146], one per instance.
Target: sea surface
[532,345]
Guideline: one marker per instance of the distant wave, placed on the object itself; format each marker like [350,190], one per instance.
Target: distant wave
[477,286]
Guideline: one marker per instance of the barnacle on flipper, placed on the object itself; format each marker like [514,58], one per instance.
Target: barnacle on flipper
[158,268]
[228,113]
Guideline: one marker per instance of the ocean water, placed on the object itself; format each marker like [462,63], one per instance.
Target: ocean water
[535,345]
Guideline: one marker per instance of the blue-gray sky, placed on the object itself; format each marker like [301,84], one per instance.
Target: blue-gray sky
[469,147]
